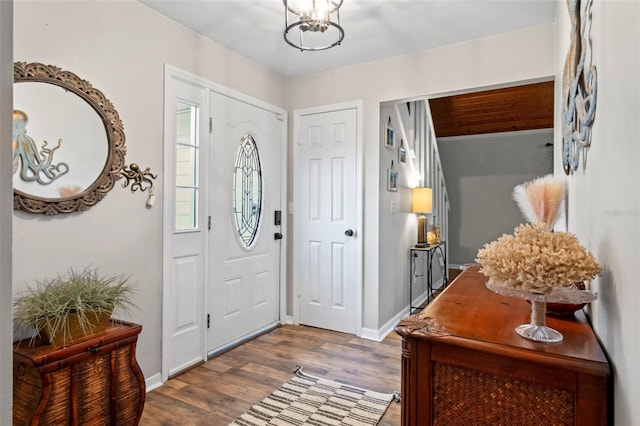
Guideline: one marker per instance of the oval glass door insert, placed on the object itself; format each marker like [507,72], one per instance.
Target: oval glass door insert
[247,191]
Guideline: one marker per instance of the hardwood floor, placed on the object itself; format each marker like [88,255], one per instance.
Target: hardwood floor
[453,273]
[218,391]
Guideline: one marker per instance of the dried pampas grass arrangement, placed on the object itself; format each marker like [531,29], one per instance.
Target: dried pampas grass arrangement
[540,200]
[535,258]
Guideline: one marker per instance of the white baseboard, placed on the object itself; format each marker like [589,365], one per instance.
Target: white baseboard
[370,334]
[381,333]
[288,320]
[153,382]
[461,267]
[421,298]
[438,284]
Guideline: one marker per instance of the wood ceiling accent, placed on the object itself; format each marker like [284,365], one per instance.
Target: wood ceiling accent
[516,108]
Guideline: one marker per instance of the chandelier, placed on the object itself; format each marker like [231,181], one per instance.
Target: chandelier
[313,24]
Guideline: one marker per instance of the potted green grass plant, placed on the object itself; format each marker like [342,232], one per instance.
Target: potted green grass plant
[72,306]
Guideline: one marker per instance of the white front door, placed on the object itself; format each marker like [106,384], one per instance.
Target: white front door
[244,252]
[326,231]
[224,167]
[185,224]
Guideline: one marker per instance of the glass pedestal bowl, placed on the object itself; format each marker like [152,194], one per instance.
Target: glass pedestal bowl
[537,330]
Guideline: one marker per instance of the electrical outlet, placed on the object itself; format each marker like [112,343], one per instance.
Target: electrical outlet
[290,207]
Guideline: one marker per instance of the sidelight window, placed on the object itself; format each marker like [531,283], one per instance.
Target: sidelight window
[187,154]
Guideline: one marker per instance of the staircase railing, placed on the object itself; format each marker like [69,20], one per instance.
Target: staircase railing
[417,132]
[431,174]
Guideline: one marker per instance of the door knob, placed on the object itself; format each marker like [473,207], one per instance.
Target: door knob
[349,232]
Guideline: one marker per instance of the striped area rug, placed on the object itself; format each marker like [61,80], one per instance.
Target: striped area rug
[308,400]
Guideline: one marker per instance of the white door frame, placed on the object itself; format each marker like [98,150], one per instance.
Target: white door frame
[359,107]
[174,74]
[209,86]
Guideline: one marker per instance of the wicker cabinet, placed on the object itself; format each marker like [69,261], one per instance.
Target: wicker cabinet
[484,373]
[96,381]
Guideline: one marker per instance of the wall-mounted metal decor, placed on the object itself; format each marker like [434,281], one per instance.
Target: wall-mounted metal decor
[51,104]
[139,179]
[579,89]
[247,191]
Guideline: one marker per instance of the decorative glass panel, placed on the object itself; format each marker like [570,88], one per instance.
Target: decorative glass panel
[247,190]
[187,154]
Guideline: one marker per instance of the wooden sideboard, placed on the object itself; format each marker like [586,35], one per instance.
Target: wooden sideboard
[94,381]
[484,373]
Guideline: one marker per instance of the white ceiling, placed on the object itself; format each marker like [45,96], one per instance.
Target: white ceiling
[374,29]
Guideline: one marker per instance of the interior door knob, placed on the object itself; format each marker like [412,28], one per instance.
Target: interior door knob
[349,232]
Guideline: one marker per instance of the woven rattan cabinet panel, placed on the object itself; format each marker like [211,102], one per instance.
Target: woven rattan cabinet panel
[483,373]
[93,382]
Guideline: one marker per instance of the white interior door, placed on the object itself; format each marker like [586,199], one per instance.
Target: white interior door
[185,225]
[244,261]
[326,224]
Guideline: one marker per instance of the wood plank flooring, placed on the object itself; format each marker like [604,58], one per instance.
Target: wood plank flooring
[218,391]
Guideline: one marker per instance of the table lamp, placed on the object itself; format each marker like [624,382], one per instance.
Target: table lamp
[421,202]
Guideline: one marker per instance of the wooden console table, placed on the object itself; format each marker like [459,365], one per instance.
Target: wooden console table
[94,381]
[484,373]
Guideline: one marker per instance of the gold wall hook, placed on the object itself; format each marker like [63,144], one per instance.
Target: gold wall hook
[139,179]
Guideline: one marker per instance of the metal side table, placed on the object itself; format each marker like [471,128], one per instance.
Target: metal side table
[429,252]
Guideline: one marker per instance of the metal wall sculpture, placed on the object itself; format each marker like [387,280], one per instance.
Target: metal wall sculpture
[579,89]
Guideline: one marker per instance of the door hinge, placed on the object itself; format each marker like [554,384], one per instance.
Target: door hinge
[210,124]
[279,116]
[209,223]
[208,320]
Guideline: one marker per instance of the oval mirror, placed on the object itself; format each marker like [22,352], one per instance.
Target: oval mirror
[68,141]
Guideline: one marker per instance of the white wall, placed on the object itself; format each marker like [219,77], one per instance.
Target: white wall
[481,172]
[395,209]
[604,197]
[121,48]
[520,56]
[6,191]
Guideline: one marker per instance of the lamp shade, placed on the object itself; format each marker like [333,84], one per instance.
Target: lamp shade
[421,200]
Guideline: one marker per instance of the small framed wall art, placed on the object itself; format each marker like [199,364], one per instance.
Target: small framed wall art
[390,136]
[392,179]
[402,154]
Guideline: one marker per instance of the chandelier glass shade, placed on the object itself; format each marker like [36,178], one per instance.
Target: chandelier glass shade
[313,24]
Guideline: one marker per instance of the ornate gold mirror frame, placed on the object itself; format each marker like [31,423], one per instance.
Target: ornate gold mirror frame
[116,150]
